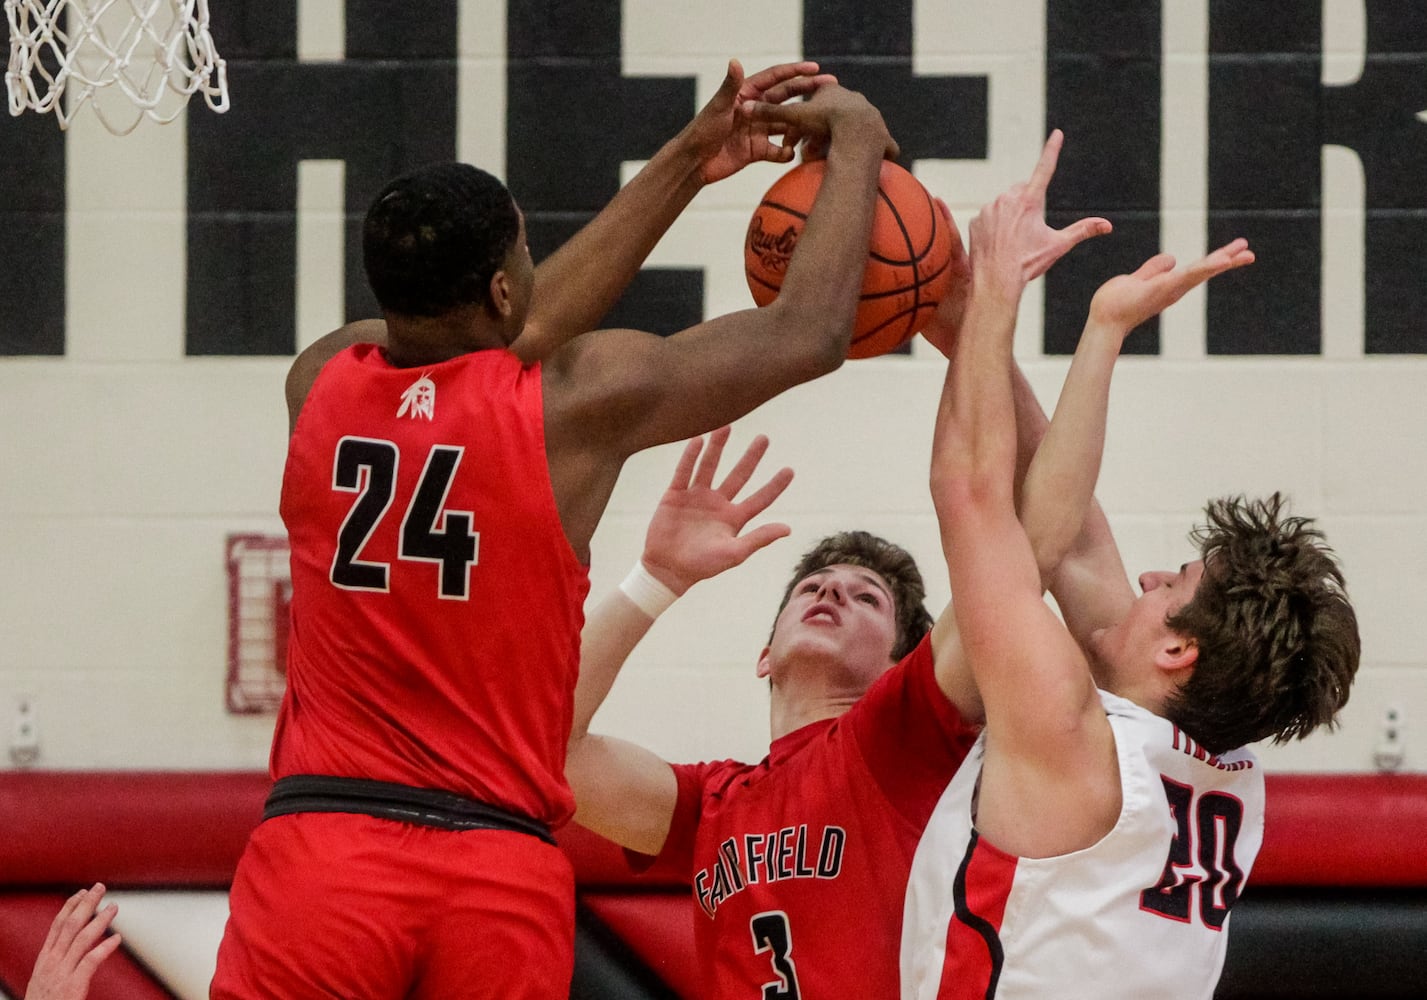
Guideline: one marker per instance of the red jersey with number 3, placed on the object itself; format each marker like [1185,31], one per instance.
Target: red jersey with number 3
[436,603]
[799,864]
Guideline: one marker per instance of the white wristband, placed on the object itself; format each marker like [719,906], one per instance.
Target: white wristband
[647,593]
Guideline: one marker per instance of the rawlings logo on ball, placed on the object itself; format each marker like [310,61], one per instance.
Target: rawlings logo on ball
[772,250]
[908,255]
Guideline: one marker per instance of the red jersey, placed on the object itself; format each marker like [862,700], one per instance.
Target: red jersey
[436,603]
[799,864]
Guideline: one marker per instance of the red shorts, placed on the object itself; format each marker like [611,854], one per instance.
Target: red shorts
[343,905]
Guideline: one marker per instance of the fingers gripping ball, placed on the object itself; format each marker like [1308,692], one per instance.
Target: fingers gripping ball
[908,258]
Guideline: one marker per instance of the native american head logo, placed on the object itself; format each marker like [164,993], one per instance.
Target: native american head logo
[419,399]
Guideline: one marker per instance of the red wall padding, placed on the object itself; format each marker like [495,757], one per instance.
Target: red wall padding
[187,829]
[1344,830]
[126,829]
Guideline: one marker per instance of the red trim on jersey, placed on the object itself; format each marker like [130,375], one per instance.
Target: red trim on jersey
[973,959]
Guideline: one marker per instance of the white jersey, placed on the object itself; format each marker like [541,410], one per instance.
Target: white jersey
[1143,913]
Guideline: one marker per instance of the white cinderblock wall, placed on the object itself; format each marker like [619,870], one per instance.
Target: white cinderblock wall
[124,465]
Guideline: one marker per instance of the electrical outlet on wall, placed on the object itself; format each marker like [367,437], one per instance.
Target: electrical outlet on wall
[24,733]
[1391,746]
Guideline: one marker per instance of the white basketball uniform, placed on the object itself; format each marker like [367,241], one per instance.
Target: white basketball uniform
[1141,914]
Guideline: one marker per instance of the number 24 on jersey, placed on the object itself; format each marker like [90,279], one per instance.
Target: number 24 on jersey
[367,467]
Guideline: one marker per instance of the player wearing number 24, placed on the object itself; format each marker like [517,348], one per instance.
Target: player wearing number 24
[446,470]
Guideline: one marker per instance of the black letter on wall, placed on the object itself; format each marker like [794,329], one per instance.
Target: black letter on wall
[869,48]
[572,117]
[1265,174]
[1103,70]
[1378,118]
[32,232]
[1270,116]
[390,105]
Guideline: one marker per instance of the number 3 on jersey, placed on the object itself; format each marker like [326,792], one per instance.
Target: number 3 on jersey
[772,934]
[429,532]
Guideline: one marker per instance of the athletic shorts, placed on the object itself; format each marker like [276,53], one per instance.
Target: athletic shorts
[346,905]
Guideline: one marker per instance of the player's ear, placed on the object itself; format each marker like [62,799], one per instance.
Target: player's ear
[764,666]
[500,293]
[1176,652]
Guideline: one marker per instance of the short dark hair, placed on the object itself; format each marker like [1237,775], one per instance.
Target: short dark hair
[1277,637]
[891,562]
[434,237]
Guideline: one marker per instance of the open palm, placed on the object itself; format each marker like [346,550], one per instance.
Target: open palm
[1128,300]
[695,531]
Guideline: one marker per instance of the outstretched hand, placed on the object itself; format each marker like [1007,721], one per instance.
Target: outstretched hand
[1010,241]
[727,139]
[695,531]
[1127,300]
[74,949]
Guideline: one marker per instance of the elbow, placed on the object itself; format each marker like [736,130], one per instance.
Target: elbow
[813,340]
[958,496]
[951,489]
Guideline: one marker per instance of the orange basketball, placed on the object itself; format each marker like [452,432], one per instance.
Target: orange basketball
[907,260]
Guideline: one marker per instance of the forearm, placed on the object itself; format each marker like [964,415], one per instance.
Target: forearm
[1089,584]
[611,632]
[623,792]
[976,438]
[1031,423]
[824,277]
[1060,479]
[1075,549]
[581,281]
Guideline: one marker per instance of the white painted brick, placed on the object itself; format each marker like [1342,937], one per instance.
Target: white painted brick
[1385,562]
[1374,451]
[207,435]
[126,719]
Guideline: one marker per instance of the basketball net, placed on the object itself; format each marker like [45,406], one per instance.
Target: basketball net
[155,53]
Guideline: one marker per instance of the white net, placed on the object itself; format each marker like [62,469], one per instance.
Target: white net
[129,59]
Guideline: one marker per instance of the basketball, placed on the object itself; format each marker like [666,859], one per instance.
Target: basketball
[908,257]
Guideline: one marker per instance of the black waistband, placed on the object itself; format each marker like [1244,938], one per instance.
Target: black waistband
[314,793]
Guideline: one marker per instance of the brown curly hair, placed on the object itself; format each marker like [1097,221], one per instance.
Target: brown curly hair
[891,562]
[1277,637]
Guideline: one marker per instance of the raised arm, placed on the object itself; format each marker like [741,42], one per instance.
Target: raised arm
[1089,583]
[624,791]
[578,284]
[1040,247]
[615,392]
[1048,781]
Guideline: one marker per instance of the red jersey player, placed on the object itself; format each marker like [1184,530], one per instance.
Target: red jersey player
[441,490]
[782,854]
